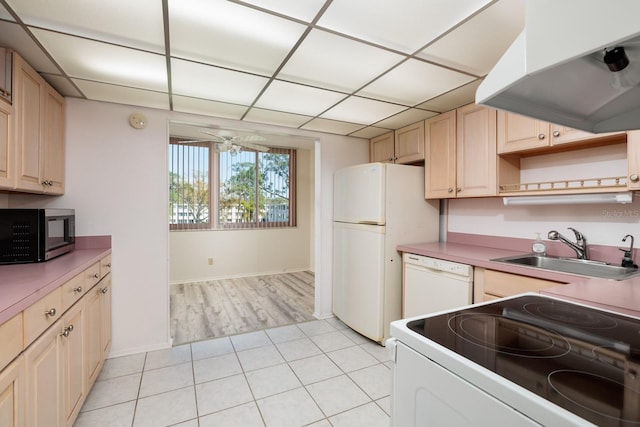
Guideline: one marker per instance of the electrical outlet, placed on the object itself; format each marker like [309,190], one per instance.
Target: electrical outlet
[210,260]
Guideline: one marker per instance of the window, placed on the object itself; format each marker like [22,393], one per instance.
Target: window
[243,189]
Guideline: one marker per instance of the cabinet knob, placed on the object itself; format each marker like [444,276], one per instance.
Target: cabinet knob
[104,290]
[541,136]
[77,289]
[556,133]
[458,190]
[633,178]
[450,190]
[96,276]
[66,331]
[51,312]
[109,265]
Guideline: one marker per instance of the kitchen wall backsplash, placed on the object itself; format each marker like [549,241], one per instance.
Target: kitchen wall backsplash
[604,224]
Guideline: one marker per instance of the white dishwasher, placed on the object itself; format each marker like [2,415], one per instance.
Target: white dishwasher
[432,285]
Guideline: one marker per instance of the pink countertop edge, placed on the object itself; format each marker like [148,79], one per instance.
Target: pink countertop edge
[23,284]
[621,296]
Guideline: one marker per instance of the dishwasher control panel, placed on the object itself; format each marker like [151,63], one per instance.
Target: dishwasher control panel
[437,264]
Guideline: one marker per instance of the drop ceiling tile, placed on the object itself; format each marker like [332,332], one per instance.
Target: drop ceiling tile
[451,100]
[15,37]
[329,61]
[303,10]
[260,115]
[361,110]
[63,85]
[404,118]
[102,62]
[370,132]
[219,84]
[187,104]
[299,99]
[4,14]
[476,46]
[413,82]
[403,25]
[223,33]
[332,126]
[123,95]
[128,23]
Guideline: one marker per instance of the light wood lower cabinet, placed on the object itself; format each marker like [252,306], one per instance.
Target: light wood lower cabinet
[490,284]
[47,384]
[12,405]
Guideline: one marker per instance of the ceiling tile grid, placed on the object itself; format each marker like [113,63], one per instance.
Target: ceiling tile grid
[349,67]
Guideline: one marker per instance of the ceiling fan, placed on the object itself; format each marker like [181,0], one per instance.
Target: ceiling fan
[232,143]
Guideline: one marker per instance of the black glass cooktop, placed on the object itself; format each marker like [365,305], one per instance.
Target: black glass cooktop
[582,359]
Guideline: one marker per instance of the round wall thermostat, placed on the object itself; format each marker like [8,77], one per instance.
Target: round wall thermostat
[138,120]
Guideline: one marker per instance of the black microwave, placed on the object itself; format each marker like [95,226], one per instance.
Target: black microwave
[35,235]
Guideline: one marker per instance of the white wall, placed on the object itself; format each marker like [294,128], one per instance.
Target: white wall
[248,252]
[116,179]
[601,224]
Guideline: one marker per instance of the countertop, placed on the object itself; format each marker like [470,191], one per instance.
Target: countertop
[621,296]
[23,284]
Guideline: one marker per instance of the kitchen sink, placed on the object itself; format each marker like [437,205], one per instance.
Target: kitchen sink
[572,265]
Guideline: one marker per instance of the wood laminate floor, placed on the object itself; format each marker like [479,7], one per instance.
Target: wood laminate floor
[216,308]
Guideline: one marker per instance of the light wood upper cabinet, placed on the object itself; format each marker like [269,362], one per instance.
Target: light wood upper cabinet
[476,173]
[35,159]
[6,141]
[405,145]
[409,143]
[440,156]
[382,148]
[633,159]
[517,133]
[460,156]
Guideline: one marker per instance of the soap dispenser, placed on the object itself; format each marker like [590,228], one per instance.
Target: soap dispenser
[538,247]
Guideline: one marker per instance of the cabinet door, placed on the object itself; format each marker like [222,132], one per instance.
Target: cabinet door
[43,387]
[440,156]
[6,141]
[72,355]
[520,133]
[382,148]
[53,143]
[28,95]
[105,316]
[409,143]
[476,151]
[633,158]
[93,342]
[561,135]
[12,397]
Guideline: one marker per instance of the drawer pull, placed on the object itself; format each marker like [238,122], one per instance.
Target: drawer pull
[51,312]
[66,331]
[77,289]
[96,276]
[104,290]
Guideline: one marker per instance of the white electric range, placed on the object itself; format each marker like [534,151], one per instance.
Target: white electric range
[528,360]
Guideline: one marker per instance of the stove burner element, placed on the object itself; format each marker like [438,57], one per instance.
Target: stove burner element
[571,315]
[495,333]
[577,391]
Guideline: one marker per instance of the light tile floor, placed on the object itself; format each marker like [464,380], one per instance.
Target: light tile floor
[317,373]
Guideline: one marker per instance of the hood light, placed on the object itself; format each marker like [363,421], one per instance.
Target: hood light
[623,74]
[616,59]
[570,199]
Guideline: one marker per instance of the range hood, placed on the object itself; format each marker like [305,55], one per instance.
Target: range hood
[555,70]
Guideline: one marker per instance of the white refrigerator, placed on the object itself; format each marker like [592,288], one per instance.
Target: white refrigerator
[376,207]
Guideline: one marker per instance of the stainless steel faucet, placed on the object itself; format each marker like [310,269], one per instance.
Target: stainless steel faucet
[580,246]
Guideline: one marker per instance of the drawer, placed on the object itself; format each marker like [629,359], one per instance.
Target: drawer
[72,291]
[42,314]
[506,284]
[10,339]
[105,266]
[92,275]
